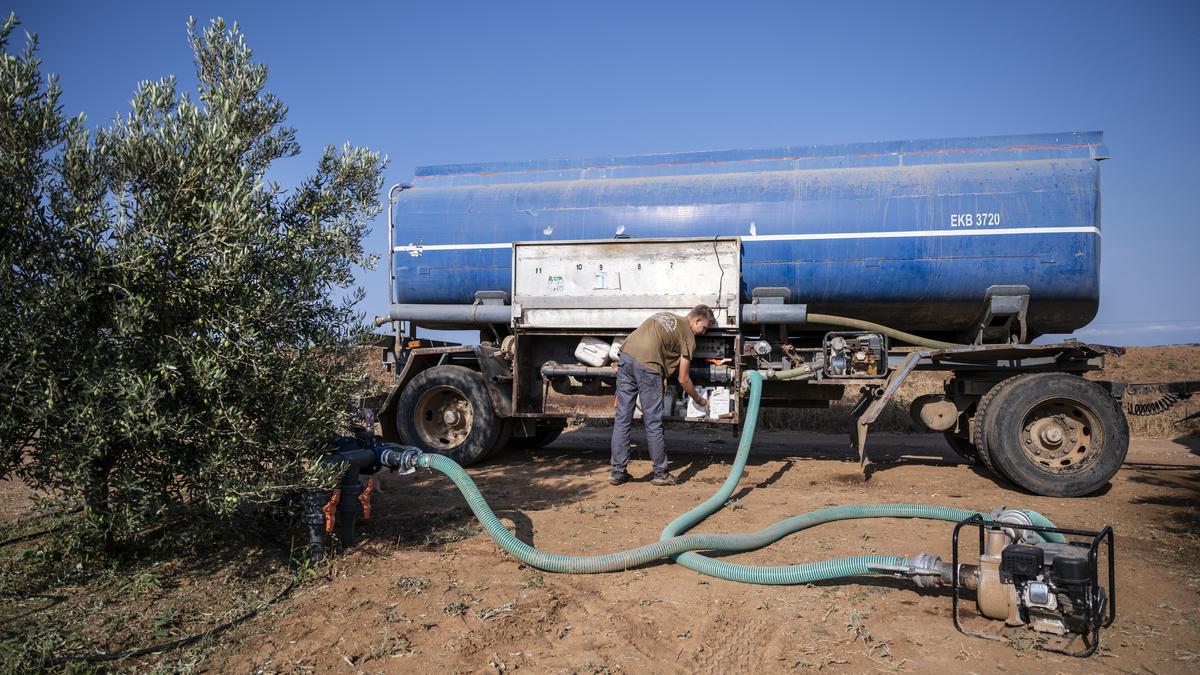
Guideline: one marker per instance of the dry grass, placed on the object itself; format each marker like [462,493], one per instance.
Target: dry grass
[1138,364]
[1158,364]
[836,418]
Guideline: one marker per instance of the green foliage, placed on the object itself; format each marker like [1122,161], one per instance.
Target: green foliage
[174,346]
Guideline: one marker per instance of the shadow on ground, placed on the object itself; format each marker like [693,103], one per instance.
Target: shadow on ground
[1183,500]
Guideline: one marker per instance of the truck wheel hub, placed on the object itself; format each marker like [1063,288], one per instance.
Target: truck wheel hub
[443,418]
[1058,435]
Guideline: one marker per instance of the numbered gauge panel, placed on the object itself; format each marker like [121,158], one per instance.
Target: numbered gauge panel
[618,283]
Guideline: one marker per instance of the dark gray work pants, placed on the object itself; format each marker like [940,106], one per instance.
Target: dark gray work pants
[635,381]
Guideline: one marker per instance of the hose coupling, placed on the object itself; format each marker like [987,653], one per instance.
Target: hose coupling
[800,373]
[927,571]
[402,458]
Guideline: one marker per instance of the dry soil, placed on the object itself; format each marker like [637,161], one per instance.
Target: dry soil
[426,591]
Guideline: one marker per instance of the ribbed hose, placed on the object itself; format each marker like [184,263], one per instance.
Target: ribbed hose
[846,322]
[1042,521]
[674,543]
[829,569]
[791,574]
[590,564]
[667,547]
[689,519]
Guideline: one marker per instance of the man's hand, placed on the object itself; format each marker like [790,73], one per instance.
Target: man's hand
[685,381]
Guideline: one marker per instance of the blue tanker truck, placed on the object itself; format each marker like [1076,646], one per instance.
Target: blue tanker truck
[832,270]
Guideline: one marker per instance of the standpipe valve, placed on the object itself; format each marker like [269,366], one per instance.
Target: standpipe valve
[330,510]
[364,499]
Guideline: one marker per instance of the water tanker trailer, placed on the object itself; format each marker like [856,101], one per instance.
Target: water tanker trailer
[832,271]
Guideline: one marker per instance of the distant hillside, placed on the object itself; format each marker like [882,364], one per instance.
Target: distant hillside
[1154,364]
[1172,363]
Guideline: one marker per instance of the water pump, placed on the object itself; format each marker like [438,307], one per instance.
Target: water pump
[1026,576]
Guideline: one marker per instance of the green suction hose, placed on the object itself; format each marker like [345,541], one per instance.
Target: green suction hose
[682,544]
[680,547]
[608,562]
[794,574]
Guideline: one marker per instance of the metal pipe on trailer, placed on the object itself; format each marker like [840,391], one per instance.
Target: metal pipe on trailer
[753,313]
[773,313]
[484,314]
[478,314]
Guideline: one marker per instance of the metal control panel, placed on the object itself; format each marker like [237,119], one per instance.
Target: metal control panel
[618,283]
[855,354]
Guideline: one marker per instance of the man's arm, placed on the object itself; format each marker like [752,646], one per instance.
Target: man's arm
[685,380]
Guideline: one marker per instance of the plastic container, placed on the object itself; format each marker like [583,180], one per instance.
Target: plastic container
[614,352]
[592,351]
[719,403]
[695,412]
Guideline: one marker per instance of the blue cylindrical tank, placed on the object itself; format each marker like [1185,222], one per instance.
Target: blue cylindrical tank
[910,234]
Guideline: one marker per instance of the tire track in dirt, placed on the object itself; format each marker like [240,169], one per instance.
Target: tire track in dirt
[730,646]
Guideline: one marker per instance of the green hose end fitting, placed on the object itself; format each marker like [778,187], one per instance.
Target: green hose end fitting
[1042,521]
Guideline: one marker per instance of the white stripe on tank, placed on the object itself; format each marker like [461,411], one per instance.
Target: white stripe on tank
[417,249]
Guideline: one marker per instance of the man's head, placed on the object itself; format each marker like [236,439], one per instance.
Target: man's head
[701,318]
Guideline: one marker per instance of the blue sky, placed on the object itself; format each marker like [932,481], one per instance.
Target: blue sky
[437,83]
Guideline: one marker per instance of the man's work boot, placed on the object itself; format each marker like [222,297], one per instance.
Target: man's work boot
[619,478]
[664,478]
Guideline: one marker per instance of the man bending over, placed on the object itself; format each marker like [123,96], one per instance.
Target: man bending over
[662,345]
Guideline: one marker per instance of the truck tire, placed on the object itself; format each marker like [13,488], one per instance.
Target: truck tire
[1057,434]
[446,410]
[503,439]
[982,418]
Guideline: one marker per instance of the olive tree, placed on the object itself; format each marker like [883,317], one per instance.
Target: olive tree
[181,335]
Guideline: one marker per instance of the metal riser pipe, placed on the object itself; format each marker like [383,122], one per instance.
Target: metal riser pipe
[450,314]
[488,314]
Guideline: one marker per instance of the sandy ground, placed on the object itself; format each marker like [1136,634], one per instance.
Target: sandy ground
[427,592]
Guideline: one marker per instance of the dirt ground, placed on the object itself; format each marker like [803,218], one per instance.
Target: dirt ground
[427,591]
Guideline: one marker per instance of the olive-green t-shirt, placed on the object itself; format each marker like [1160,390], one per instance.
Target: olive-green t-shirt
[660,341]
